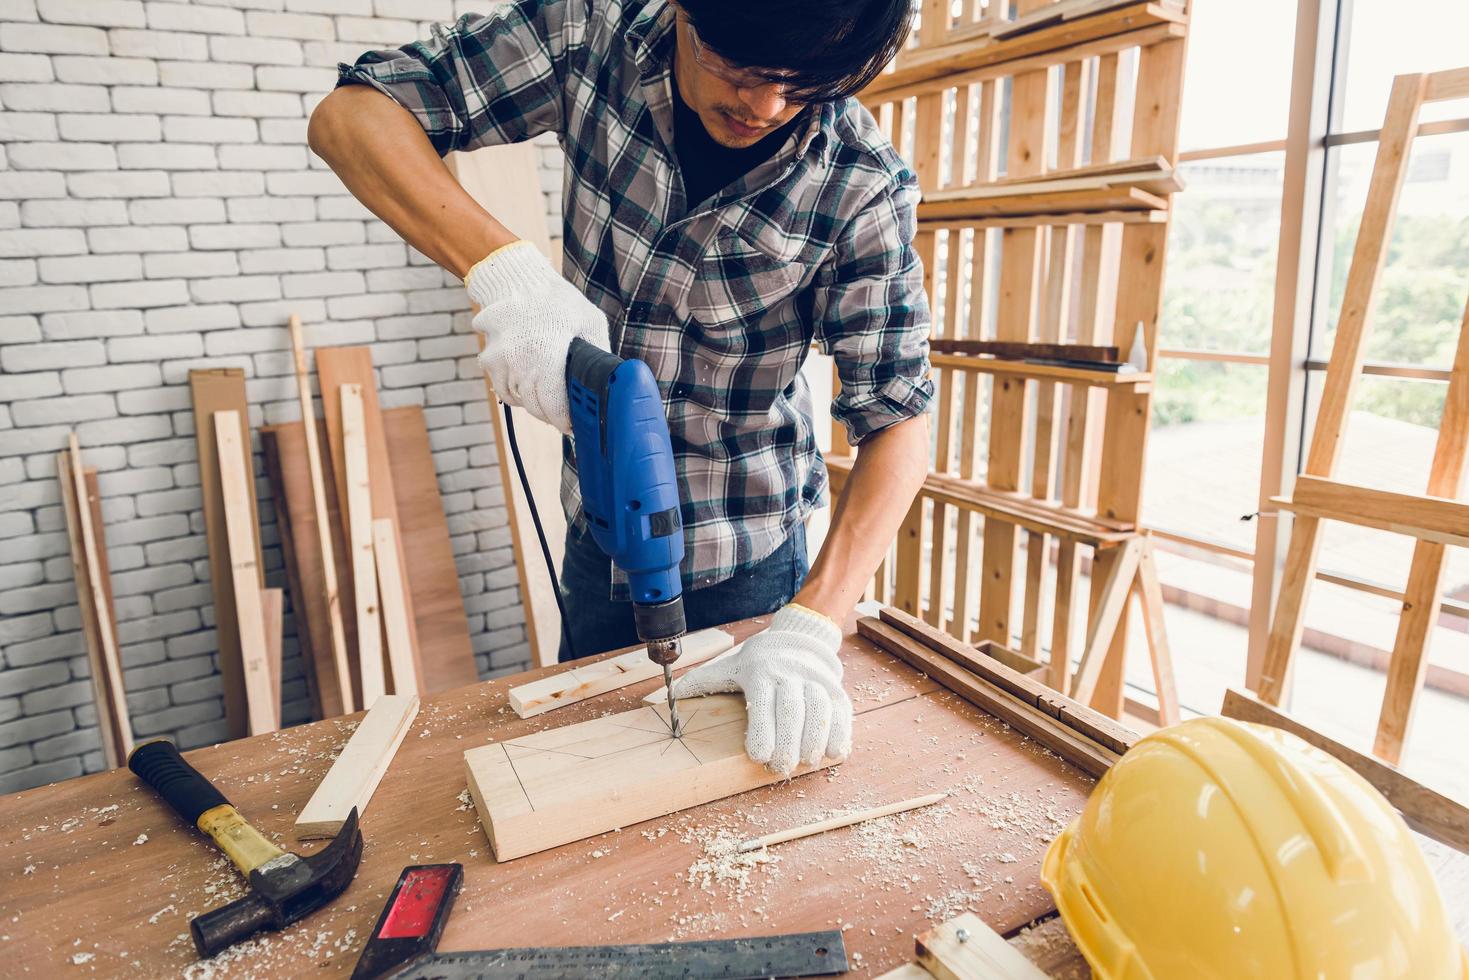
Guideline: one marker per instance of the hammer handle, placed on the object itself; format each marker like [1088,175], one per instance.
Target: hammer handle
[159,765]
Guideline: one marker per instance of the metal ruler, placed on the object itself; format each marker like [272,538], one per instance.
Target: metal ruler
[807,954]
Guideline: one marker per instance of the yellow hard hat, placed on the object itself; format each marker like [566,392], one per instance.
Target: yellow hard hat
[1216,848]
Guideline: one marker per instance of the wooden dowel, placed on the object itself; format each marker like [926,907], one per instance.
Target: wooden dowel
[323,525]
[843,820]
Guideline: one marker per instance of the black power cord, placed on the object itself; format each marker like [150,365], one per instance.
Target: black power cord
[535,517]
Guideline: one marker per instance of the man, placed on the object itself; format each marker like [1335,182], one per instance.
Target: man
[727,202]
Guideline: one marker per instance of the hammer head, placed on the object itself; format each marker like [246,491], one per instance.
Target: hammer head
[283,891]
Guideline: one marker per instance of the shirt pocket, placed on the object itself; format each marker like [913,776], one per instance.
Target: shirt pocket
[738,283]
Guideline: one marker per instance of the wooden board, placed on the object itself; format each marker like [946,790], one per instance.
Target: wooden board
[212,390]
[316,472]
[235,475]
[567,784]
[578,683]
[355,774]
[272,607]
[92,575]
[964,948]
[284,447]
[402,673]
[441,629]
[357,480]
[338,366]
[1054,352]
[504,181]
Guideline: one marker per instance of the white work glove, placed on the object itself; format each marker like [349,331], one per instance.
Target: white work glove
[792,681]
[529,315]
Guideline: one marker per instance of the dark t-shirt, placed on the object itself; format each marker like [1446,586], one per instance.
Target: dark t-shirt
[709,167]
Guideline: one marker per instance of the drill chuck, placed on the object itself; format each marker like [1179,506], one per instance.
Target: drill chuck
[660,624]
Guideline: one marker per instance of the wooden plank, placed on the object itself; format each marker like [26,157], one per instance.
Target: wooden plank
[354,776]
[505,181]
[358,495]
[1020,264]
[284,448]
[441,628]
[1289,620]
[1421,516]
[1090,723]
[964,948]
[576,684]
[336,367]
[553,787]
[1020,370]
[960,205]
[1088,218]
[272,609]
[121,724]
[1374,233]
[337,631]
[1055,735]
[1149,592]
[1450,84]
[1018,351]
[1054,43]
[270,453]
[1424,591]
[234,476]
[402,671]
[1426,811]
[82,512]
[211,390]
[1115,590]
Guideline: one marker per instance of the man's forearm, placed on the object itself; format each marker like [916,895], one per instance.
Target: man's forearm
[387,162]
[887,474]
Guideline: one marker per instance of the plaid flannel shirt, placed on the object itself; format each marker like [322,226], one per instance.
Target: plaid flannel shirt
[722,298]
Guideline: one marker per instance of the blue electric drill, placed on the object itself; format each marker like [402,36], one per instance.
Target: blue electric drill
[629,491]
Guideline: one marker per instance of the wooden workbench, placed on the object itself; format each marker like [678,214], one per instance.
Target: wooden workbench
[97,877]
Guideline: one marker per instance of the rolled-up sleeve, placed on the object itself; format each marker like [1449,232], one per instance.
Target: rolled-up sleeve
[872,316]
[489,80]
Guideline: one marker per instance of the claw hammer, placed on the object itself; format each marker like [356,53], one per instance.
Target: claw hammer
[284,887]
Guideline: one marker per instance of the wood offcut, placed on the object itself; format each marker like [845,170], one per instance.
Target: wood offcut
[354,776]
[591,679]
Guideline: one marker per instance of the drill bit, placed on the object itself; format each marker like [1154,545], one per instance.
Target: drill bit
[664,653]
[672,711]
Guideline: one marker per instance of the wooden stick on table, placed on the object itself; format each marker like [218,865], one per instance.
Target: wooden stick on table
[359,538]
[234,477]
[394,608]
[323,526]
[841,820]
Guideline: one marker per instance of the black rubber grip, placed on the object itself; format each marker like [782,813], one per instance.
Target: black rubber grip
[159,765]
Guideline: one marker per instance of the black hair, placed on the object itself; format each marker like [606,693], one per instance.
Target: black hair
[822,49]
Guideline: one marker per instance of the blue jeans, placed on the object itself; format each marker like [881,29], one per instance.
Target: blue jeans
[599,623]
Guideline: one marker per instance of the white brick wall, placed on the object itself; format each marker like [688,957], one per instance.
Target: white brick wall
[159,211]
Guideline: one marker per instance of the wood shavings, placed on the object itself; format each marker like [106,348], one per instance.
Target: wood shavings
[142,839]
